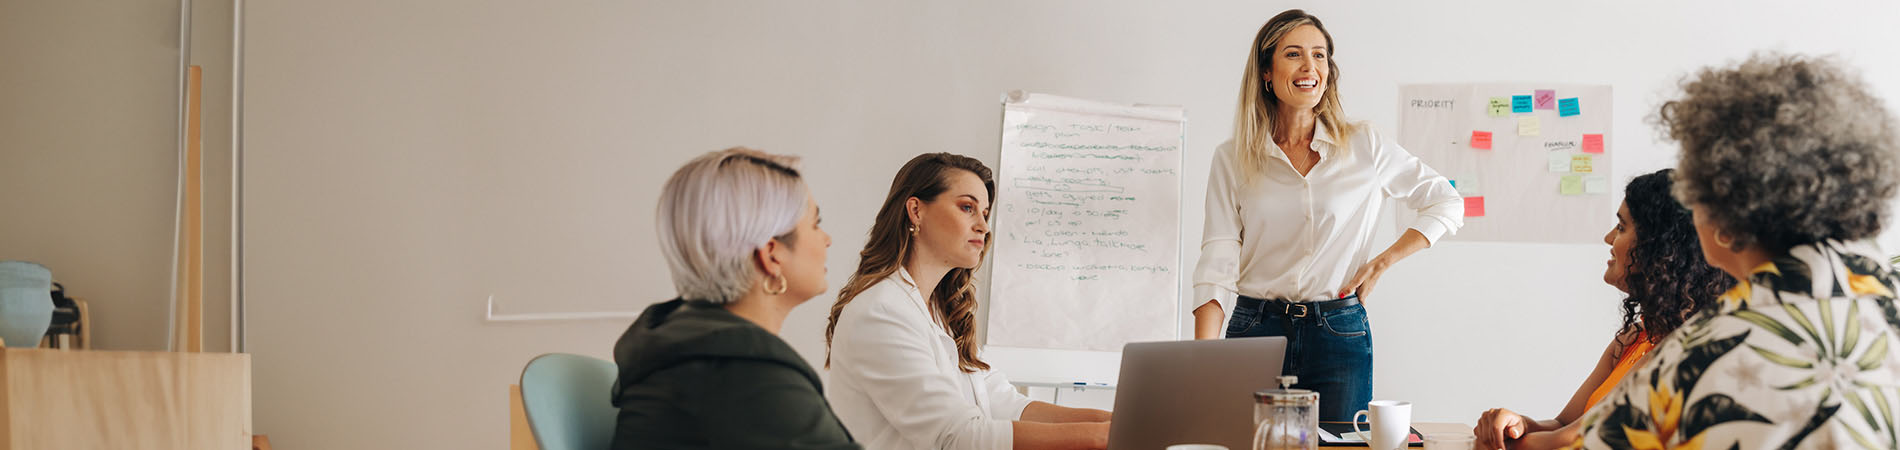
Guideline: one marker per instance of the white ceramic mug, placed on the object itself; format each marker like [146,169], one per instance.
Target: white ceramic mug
[1391,423]
[1196,447]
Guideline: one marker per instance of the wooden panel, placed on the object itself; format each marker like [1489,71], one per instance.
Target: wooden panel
[520,437]
[189,327]
[124,400]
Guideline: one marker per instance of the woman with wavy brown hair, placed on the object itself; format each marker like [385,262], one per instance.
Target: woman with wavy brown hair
[902,337]
[1656,258]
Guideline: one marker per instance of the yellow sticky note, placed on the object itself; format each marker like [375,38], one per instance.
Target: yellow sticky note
[1500,107]
[1528,126]
[1571,185]
[1580,163]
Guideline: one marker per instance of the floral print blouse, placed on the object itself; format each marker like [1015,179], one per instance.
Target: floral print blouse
[1799,355]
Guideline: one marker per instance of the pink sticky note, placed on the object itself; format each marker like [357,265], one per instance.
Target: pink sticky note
[1481,140]
[1593,143]
[1474,206]
[1544,99]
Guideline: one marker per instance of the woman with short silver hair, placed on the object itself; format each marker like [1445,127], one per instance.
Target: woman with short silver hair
[1788,164]
[739,230]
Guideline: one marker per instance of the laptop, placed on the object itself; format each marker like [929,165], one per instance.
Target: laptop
[1192,392]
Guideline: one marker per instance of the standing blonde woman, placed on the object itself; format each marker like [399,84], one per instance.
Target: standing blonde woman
[904,368]
[1291,205]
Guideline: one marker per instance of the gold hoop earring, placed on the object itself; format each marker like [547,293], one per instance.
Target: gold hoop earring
[782,286]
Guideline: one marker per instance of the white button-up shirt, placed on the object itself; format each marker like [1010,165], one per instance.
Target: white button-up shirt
[1301,238]
[895,382]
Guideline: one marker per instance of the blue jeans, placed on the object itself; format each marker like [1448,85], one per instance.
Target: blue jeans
[1330,351]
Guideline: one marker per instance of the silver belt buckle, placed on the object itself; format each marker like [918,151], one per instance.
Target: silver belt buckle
[1289,310]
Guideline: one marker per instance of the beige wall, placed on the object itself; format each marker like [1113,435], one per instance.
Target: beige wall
[89,161]
[404,160]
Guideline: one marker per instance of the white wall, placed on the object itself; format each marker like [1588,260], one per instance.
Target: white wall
[407,159]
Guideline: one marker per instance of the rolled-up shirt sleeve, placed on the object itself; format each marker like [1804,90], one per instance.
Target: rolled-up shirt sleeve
[1405,178]
[1217,273]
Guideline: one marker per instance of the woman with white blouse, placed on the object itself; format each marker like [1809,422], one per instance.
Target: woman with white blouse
[1291,205]
[902,337]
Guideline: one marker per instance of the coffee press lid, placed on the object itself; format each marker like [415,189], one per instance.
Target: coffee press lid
[1286,395]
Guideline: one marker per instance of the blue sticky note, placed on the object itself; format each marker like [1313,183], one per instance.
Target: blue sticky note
[1521,103]
[1568,107]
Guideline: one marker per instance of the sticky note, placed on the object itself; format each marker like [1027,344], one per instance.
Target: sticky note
[1568,107]
[1596,184]
[1499,107]
[1580,164]
[1593,143]
[1481,140]
[1571,185]
[1474,206]
[1466,186]
[1520,104]
[1544,99]
[1559,161]
[1528,126]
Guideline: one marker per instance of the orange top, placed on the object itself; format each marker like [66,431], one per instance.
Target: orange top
[1631,354]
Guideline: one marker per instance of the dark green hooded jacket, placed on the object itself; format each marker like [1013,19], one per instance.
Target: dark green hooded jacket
[693,375]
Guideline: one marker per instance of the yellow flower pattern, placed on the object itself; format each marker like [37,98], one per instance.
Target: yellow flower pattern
[1774,366]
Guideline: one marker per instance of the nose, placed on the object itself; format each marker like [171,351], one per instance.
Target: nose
[982,226]
[1610,237]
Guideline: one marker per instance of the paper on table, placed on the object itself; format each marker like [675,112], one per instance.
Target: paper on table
[1528,126]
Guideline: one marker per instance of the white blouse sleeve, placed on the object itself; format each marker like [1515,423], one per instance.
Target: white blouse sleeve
[1441,211]
[1217,274]
[891,362]
[1005,401]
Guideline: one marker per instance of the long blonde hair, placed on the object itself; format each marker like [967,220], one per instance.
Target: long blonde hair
[890,245]
[1255,119]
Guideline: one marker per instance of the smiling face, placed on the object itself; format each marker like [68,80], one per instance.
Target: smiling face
[1298,70]
[1622,238]
[953,228]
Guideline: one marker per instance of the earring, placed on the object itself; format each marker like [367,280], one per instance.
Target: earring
[913,230]
[1723,239]
[782,286]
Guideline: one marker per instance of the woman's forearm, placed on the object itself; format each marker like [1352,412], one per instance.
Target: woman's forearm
[1207,321]
[1046,412]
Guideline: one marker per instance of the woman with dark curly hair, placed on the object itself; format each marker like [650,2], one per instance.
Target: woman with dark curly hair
[1656,259]
[1788,164]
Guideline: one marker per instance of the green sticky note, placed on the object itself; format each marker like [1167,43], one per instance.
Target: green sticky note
[1500,107]
[1571,185]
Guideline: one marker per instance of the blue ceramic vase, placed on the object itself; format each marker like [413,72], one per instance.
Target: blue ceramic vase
[26,303]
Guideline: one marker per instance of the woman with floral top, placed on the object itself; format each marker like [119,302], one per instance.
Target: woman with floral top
[1789,164]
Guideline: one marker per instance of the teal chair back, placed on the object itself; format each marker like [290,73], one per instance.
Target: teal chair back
[566,398]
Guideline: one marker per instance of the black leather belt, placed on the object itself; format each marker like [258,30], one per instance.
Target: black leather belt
[1294,309]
